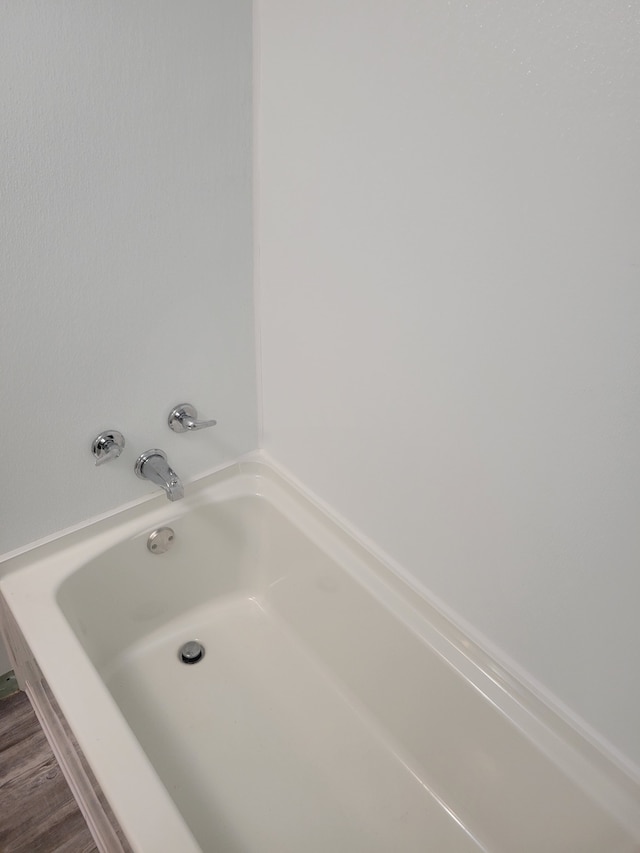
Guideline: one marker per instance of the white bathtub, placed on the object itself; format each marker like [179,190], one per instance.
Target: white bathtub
[334,709]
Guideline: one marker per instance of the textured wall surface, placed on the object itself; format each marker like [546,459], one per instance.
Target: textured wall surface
[450,274]
[125,245]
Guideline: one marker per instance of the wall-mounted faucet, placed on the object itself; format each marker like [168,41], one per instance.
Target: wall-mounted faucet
[184,418]
[152,465]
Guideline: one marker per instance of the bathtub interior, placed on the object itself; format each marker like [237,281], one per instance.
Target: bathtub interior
[127,593]
[320,717]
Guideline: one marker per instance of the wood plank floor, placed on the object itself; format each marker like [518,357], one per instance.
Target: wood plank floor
[37,811]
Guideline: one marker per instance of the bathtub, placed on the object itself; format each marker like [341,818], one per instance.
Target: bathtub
[334,709]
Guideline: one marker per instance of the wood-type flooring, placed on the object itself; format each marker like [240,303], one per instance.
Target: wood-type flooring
[38,813]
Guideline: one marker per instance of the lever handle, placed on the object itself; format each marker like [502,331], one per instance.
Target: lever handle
[107,446]
[184,418]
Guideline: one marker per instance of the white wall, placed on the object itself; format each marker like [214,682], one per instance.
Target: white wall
[126,247]
[450,261]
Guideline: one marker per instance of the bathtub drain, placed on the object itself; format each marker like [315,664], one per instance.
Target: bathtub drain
[191,652]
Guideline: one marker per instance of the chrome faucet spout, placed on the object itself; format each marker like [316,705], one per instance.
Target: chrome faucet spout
[152,465]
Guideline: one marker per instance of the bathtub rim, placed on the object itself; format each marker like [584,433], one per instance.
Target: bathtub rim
[585,760]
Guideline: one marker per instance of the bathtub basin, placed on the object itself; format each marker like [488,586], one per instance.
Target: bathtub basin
[334,708]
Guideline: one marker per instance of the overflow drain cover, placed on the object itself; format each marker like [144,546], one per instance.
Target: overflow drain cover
[160,540]
[191,652]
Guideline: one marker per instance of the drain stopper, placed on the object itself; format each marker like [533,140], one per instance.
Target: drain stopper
[191,652]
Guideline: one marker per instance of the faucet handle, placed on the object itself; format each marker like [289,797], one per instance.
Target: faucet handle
[107,446]
[183,418]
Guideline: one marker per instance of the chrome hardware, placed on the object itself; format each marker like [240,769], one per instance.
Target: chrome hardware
[184,419]
[191,652]
[107,446]
[160,540]
[152,465]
